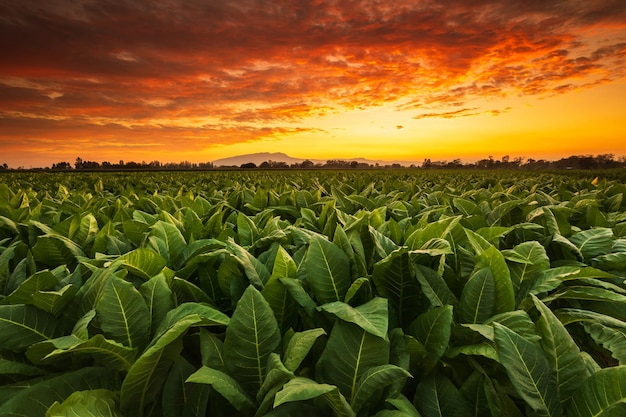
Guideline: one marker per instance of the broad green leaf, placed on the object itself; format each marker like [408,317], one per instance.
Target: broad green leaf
[563,353]
[371,317]
[439,229]
[299,346]
[359,292]
[612,339]
[478,299]
[54,250]
[610,262]
[395,280]
[554,277]
[257,273]
[105,352]
[173,240]
[505,295]
[15,364]
[603,394]
[573,315]
[403,405]
[375,380]
[251,336]
[277,294]
[246,230]
[159,299]
[92,403]
[302,389]
[202,315]
[39,281]
[529,371]
[432,329]
[436,396]
[23,325]
[328,270]
[143,262]
[593,242]
[587,293]
[147,375]
[211,350]
[123,314]
[434,287]
[35,400]
[349,353]
[226,386]
[277,375]
[535,262]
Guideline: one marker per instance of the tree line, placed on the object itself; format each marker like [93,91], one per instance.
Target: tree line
[602,161]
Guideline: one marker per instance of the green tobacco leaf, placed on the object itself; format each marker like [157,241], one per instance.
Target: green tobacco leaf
[505,294]
[394,279]
[299,346]
[92,403]
[603,394]
[105,352]
[169,242]
[529,371]
[432,329]
[143,262]
[349,353]
[277,375]
[159,299]
[375,380]
[35,400]
[436,396]
[256,271]
[535,261]
[39,281]
[478,299]
[277,294]
[246,230]
[593,242]
[371,316]
[123,314]
[23,325]
[147,375]
[434,287]
[403,405]
[439,229]
[614,340]
[563,353]
[554,277]
[328,270]
[610,262]
[54,250]
[251,336]
[226,386]
[302,389]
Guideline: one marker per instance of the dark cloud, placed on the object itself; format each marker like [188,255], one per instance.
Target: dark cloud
[165,63]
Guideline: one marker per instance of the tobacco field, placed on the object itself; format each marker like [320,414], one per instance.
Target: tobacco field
[301,293]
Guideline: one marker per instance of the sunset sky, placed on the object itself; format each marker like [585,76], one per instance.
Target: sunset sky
[199,80]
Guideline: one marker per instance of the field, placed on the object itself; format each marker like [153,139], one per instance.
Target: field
[301,293]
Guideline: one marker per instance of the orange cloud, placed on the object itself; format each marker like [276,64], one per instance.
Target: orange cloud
[195,73]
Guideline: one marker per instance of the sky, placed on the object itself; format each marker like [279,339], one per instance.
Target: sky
[200,80]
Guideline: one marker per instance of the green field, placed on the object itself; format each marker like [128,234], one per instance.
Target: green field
[310,293]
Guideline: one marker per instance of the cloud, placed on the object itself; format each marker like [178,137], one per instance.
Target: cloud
[142,66]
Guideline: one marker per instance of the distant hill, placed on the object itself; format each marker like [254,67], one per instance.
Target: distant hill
[259,158]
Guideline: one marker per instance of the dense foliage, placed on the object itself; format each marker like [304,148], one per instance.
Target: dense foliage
[356,293]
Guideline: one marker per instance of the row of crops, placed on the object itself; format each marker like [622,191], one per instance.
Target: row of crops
[356,293]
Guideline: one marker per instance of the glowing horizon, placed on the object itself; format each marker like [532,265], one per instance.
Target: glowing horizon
[201,81]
